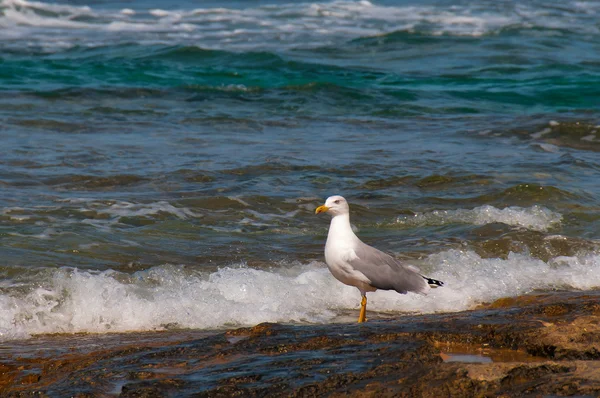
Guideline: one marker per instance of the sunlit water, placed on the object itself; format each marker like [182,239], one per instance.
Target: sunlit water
[161,162]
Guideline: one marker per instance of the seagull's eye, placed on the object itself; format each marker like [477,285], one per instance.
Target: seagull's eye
[337,202]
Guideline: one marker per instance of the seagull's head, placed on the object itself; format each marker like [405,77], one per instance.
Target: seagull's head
[334,205]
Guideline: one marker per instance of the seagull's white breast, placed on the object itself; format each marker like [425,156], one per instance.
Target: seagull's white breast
[339,251]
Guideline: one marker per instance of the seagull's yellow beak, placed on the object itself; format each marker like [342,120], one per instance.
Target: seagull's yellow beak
[321,209]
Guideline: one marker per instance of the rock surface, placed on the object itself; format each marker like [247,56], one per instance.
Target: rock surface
[535,345]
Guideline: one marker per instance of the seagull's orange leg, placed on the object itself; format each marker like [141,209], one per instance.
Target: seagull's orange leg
[363,310]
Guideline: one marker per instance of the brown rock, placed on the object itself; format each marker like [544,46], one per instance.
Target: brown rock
[536,345]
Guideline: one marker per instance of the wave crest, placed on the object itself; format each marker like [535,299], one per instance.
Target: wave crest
[290,25]
[69,300]
[537,218]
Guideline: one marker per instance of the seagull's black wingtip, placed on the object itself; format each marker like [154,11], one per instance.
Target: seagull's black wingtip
[433,282]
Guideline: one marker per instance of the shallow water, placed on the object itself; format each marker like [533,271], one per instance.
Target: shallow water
[161,163]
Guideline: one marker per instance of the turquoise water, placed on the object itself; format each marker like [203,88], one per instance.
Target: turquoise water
[164,160]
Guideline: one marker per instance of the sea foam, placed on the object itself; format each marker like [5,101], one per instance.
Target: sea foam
[536,218]
[286,25]
[69,300]
[128,209]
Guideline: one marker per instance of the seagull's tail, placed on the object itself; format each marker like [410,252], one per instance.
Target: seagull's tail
[433,282]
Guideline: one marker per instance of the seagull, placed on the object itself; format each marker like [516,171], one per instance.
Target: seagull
[355,263]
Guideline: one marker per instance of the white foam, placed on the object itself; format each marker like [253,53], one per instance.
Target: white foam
[537,218]
[58,8]
[82,301]
[21,12]
[548,147]
[128,209]
[70,300]
[281,26]
[239,200]
[471,280]
[160,13]
[20,218]
[268,217]
[541,133]
[114,209]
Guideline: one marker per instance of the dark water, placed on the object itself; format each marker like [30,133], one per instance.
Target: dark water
[161,163]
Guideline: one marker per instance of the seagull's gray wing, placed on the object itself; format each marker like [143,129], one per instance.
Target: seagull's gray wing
[387,273]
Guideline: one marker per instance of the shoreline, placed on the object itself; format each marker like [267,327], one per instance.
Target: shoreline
[537,344]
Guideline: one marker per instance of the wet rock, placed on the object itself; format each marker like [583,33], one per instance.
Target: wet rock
[534,345]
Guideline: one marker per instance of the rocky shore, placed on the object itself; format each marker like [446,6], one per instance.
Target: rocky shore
[545,344]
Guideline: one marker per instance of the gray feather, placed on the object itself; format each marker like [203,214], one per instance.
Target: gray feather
[386,272]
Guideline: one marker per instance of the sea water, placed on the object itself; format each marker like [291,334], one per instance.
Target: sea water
[161,161]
